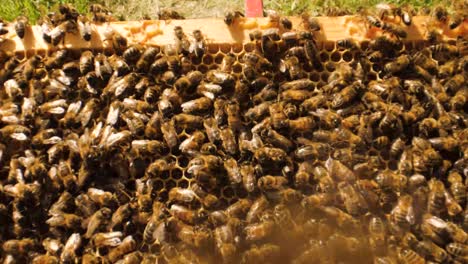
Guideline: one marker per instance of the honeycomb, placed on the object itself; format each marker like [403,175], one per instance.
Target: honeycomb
[351,160]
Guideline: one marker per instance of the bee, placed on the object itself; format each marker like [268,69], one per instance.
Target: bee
[440,13]
[198,45]
[444,48]
[459,250]
[239,209]
[154,222]
[349,44]
[457,187]
[128,245]
[403,213]
[186,215]
[259,231]
[421,59]
[271,183]
[312,54]
[19,246]
[169,133]
[21,25]
[264,254]
[233,171]
[456,19]
[69,249]
[400,63]
[285,23]
[258,112]
[122,213]
[228,61]
[228,140]
[212,130]
[409,256]
[276,139]
[68,221]
[97,220]
[110,239]
[231,17]
[186,196]
[310,23]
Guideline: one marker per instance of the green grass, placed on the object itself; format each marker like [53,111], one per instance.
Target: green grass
[136,9]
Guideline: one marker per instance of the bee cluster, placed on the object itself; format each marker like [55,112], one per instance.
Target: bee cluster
[282,150]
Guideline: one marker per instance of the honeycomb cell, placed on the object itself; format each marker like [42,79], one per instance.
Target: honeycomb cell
[330,66]
[169,184]
[237,68]
[329,46]
[376,68]
[176,174]
[324,76]
[218,58]
[224,48]
[202,68]
[213,48]
[165,175]
[237,48]
[158,184]
[347,56]
[314,76]
[324,56]
[335,56]
[182,161]
[371,76]
[249,47]
[207,59]
[183,183]
[241,193]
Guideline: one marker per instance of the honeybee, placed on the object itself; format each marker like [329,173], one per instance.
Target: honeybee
[265,253]
[69,249]
[21,25]
[186,215]
[456,19]
[97,220]
[128,245]
[259,231]
[401,63]
[231,17]
[258,112]
[409,256]
[192,144]
[310,23]
[457,187]
[233,171]
[68,221]
[122,213]
[271,183]
[169,133]
[239,209]
[110,239]
[440,13]
[312,54]
[19,246]
[228,139]
[403,213]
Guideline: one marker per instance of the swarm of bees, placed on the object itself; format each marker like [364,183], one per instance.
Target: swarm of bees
[282,152]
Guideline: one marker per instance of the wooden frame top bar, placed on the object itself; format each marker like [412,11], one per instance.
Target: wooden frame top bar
[161,32]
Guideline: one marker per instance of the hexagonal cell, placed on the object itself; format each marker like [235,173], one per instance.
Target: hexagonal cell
[224,48]
[237,48]
[182,161]
[169,184]
[176,174]
[248,47]
[237,68]
[183,183]
[165,175]
[241,193]
[376,67]
[372,76]
[218,58]
[158,184]
[347,56]
[207,59]
[202,68]
[163,195]
[330,66]
[329,46]
[335,56]
[314,76]
[324,76]
[213,48]
[392,164]
[324,56]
